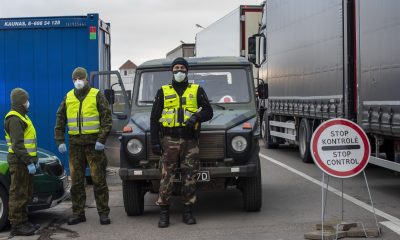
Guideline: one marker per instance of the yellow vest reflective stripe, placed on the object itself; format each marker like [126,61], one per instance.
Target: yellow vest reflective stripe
[172,103]
[82,118]
[29,135]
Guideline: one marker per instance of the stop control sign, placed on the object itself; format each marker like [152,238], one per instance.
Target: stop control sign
[340,148]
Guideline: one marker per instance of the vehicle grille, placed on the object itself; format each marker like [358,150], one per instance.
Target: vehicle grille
[212,147]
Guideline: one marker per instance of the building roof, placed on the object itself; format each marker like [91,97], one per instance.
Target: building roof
[128,65]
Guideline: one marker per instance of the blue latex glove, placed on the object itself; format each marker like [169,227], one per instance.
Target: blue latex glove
[62,148]
[31,168]
[99,146]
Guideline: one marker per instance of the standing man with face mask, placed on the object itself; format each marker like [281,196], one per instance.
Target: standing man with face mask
[177,112]
[22,159]
[86,113]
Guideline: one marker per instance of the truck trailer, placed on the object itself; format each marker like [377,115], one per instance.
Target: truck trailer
[329,59]
[228,36]
[39,55]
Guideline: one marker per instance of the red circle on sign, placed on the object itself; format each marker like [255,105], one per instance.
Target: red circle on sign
[317,157]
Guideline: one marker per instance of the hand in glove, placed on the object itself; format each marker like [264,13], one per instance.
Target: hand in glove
[156,149]
[99,146]
[31,168]
[62,148]
[191,122]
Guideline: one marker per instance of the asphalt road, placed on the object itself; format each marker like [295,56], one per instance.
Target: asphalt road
[291,207]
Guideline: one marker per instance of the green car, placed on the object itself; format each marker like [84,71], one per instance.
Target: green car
[50,183]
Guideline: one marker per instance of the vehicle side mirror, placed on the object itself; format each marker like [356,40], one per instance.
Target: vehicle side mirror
[110,96]
[262,91]
[251,50]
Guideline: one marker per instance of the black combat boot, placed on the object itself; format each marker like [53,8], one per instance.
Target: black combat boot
[164,217]
[188,215]
[104,219]
[23,230]
[75,219]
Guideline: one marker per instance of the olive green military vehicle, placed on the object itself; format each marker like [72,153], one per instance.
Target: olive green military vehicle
[229,145]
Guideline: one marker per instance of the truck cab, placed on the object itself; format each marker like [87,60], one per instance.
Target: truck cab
[228,142]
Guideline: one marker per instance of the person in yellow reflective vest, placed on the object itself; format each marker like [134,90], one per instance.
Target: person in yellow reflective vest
[22,159]
[86,113]
[177,112]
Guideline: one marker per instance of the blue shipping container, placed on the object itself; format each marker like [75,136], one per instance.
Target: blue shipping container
[39,55]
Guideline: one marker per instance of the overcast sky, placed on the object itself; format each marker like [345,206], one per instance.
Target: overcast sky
[140,29]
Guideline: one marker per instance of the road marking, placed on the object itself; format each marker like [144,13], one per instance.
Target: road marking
[393,223]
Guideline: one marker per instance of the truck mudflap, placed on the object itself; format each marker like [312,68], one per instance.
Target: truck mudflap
[248,170]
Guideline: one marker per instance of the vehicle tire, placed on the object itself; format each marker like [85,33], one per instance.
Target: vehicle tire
[3,208]
[252,192]
[388,149]
[305,134]
[89,180]
[133,194]
[265,133]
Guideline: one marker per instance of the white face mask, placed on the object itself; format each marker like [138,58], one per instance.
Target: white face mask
[79,84]
[179,76]
[27,104]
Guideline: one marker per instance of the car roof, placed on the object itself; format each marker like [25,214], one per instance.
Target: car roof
[193,61]
[4,147]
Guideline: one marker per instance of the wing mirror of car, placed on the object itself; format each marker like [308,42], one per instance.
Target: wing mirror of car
[251,52]
[262,91]
[110,96]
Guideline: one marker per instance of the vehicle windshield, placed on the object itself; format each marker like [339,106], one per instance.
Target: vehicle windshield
[220,85]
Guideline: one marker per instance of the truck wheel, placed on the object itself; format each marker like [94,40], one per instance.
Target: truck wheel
[132,192]
[3,208]
[265,133]
[304,141]
[251,190]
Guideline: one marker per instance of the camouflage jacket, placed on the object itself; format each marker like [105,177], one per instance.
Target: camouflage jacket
[15,127]
[83,139]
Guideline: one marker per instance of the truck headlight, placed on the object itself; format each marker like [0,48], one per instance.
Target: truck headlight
[134,146]
[239,143]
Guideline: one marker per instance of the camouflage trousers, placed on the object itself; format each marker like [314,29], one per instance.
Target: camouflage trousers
[21,190]
[183,154]
[79,156]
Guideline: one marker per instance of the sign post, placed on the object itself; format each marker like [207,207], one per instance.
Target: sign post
[340,148]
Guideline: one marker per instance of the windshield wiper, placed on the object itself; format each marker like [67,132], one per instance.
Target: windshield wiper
[146,101]
[219,105]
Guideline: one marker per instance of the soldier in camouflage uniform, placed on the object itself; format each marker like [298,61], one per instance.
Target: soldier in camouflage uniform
[22,157]
[177,112]
[86,113]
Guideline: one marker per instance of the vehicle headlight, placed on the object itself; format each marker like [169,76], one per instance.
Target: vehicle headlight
[239,143]
[134,146]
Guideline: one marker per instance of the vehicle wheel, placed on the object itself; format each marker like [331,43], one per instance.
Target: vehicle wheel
[251,190]
[89,180]
[305,134]
[265,133]
[133,195]
[388,148]
[3,208]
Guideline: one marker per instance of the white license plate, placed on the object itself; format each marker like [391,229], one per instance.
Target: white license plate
[202,176]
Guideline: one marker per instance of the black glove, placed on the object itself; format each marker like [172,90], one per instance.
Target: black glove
[191,122]
[156,149]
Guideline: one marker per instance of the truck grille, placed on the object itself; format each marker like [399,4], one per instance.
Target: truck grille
[212,147]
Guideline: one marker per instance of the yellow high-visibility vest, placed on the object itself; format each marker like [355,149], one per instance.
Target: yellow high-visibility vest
[83,117]
[29,135]
[172,104]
